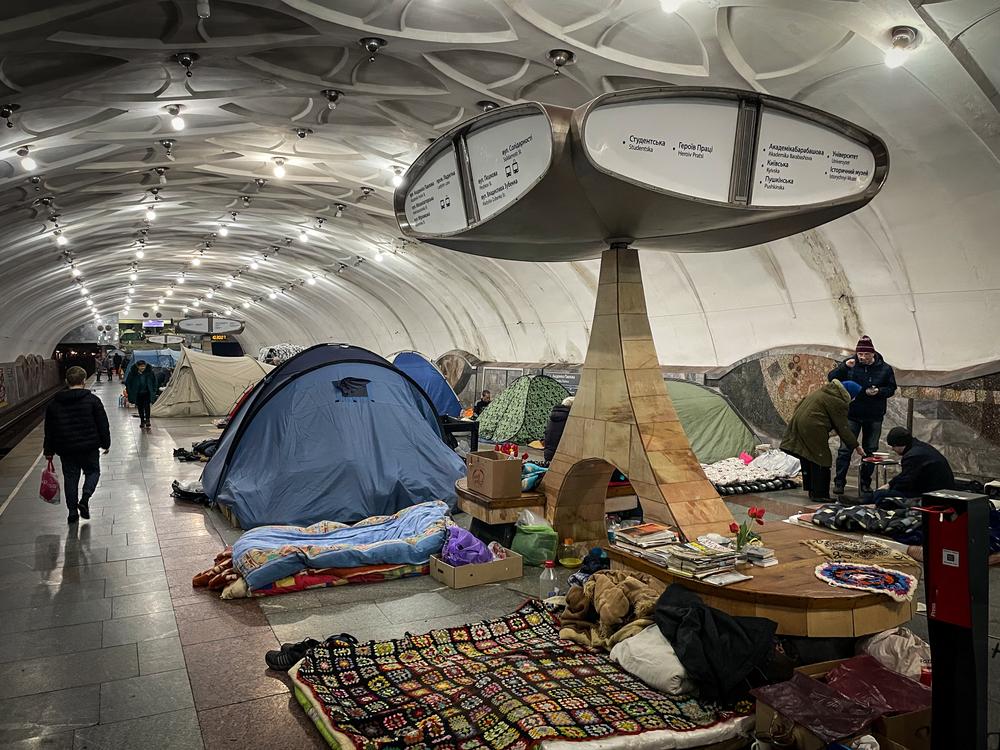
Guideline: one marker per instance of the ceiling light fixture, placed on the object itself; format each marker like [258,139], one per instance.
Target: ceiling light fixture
[372,45]
[671,6]
[245,305]
[333,97]
[302,132]
[75,271]
[140,253]
[303,235]
[176,122]
[151,213]
[196,261]
[27,163]
[272,295]
[203,9]
[279,168]
[186,60]
[487,105]
[311,281]
[397,177]
[61,239]
[223,230]
[254,265]
[180,278]
[196,303]
[227,283]
[340,211]
[379,256]
[184,310]
[560,58]
[170,292]
[133,276]
[161,300]
[903,40]
[7,112]
[210,293]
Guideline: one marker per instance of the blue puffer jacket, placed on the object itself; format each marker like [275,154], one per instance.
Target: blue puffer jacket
[867,408]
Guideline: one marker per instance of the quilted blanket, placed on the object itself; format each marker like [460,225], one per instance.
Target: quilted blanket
[269,553]
[503,684]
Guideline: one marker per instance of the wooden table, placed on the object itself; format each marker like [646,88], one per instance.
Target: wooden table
[789,593]
[497,511]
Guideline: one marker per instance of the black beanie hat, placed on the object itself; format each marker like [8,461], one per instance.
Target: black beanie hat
[899,437]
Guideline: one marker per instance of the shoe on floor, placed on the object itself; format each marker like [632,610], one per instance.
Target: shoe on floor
[84,508]
[289,655]
[74,518]
[839,489]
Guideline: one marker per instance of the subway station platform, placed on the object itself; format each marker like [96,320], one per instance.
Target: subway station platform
[108,646]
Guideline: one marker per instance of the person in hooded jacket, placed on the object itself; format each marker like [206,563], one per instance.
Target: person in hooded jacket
[142,389]
[554,429]
[808,434]
[76,429]
[877,379]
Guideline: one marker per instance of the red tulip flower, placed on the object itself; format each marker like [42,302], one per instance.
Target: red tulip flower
[734,527]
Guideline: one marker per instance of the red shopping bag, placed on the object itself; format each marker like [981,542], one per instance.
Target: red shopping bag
[50,490]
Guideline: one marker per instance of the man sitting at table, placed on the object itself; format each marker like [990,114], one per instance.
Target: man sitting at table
[924,470]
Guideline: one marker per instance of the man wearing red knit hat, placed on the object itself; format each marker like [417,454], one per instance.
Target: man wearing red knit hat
[878,384]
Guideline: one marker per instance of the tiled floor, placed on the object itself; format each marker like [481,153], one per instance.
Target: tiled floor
[109,647]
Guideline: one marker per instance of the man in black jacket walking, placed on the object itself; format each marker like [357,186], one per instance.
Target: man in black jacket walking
[76,429]
[878,384]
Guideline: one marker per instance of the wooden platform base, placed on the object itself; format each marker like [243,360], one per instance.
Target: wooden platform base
[789,593]
[493,511]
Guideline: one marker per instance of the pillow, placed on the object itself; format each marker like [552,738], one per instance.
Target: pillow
[650,657]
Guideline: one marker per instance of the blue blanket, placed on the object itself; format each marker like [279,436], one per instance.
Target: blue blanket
[269,553]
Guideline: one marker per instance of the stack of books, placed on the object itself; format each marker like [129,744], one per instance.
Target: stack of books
[760,556]
[699,560]
[644,540]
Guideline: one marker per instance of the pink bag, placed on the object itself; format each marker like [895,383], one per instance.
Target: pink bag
[50,490]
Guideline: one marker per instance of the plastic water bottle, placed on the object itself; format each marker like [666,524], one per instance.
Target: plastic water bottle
[548,585]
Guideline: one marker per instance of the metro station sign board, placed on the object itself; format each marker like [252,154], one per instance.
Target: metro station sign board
[210,324]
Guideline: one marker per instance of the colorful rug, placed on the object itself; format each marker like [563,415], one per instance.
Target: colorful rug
[317,579]
[504,684]
[893,583]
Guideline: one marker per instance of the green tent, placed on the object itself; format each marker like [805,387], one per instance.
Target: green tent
[713,427]
[520,413]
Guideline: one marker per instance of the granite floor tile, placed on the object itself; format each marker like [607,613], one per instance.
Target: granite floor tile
[226,628]
[141,604]
[395,630]
[177,730]
[232,670]
[276,722]
[160,655]
[133,551]
[49,713]
[127,586]
[61,741]
[297,625]
[386,590]
[68,670]
[289,602]
[145,696]
[139,628]
[21,596]
[143,566]
[54,615]
[64,640]
[430,604]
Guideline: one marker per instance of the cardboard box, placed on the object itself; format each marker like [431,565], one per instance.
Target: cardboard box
[477,574]
[912,730]
[493,474]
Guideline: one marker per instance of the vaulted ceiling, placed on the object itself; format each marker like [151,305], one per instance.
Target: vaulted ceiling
[94,82]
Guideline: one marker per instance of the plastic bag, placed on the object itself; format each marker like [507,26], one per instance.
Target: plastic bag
[865,680]
[50,491]
[529,518]
[534,540]
[899,650]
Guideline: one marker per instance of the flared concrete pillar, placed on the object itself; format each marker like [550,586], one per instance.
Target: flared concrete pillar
[623,418]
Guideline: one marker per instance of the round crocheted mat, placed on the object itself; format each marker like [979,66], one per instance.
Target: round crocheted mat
[874,578]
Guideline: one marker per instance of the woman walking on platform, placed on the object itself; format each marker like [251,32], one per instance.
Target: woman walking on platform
[140,388]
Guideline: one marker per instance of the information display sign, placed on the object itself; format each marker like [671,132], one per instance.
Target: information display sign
[508,159]
[799,163]
[152,324]
[434,203]
[209,324]
[681,145]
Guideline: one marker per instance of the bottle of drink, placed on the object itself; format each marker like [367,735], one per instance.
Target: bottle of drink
[568,555]
[548,585]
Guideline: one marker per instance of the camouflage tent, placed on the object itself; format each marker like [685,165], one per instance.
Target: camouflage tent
[520,413]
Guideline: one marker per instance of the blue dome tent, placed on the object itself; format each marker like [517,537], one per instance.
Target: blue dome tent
[335,433]
[426,374]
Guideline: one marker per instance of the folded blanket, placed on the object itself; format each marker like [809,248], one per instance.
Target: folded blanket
[269,553]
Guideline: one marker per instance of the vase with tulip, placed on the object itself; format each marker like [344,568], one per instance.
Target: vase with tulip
[744,531]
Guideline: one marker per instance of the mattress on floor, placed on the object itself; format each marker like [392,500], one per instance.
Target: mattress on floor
[317,579]
[503,684]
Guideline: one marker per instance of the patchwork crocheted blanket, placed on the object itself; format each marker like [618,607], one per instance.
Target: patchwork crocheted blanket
[503,684]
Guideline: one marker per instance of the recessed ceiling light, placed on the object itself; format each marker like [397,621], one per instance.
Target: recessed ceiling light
[140,254]
[27,163]
[397,177]
[150,214]
[304,236]
[210,294]
[75,271]
[176,122]
[223,230]
[254,265]
[184,309]
[272,295]
[279,168]
[903,40]
[245,304]
[170,292]
[181,279]
[133,276]
[311,280]
[379,256]
[196,261]
[83,291]
[671,6]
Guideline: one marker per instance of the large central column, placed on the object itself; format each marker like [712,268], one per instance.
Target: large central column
[623,418]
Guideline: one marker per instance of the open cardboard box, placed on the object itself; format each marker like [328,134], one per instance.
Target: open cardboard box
[477,574]
[912,730]
[493,474]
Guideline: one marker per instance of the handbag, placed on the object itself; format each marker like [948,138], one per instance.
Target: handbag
[50,491]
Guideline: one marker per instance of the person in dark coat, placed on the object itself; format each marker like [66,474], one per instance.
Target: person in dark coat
[877,379]
[808,434]
[118,365]
[923,470]
[76,430]
[141,388]
[482,403]
[554,429]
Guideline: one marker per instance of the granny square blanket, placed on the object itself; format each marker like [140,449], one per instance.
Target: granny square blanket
[503,684]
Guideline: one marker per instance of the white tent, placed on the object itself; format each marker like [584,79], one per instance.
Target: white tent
[204,385]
